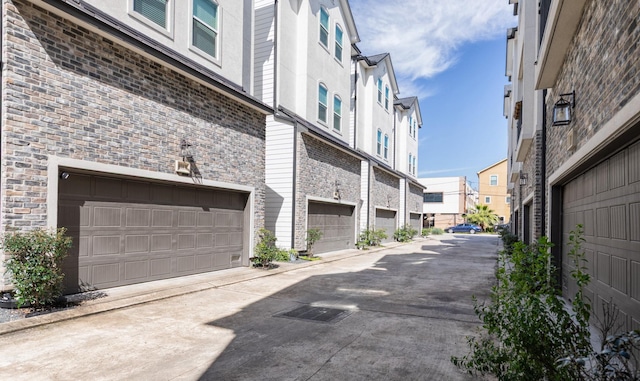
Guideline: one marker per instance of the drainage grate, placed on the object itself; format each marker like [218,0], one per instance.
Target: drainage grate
[319,314]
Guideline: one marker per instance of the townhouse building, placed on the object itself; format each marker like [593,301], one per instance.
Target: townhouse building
[164,135]
[573,111]
[331,144]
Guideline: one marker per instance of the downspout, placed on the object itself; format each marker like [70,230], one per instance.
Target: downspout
[395,142]
[355,103]
[543,170]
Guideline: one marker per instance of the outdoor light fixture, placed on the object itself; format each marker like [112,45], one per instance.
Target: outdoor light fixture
[523,178]
[562,109]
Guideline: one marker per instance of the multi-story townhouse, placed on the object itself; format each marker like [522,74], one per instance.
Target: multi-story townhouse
[330,143]
[131,124]
[584,69]
[492,190]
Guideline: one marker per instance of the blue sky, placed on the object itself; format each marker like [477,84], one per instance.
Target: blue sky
[451,54]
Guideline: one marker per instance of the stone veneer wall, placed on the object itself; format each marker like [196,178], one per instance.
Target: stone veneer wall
[414,200]
[603,66]
[72,93]
[319,165]
[384,184]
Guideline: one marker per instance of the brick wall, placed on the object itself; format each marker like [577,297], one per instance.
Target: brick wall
[385,192]
[71,93]
[603,66]
[319,165]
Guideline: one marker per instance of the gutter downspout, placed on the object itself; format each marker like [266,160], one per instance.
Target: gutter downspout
[355,103]
[543,170]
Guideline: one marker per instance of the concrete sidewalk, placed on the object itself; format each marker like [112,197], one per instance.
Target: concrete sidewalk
[399,314]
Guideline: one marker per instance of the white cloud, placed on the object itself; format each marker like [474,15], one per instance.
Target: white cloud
[423,36]
[437,171]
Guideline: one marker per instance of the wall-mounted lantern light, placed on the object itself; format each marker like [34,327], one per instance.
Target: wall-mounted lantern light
[562,109]
[523,178]
[336,192]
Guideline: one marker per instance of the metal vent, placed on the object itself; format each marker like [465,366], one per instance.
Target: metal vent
[319,314]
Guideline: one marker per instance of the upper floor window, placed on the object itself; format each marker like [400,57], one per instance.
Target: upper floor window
[410,124]
[507,200]
[433,197]
[338,49]
[415,128]
[487,199]
[322,103]
[379,143]
[205,26]
[380,90]
[493,180]
[154,10]
[337,113]
[415,166]
[386,146]
[386,97]
[410,163]
[324,27]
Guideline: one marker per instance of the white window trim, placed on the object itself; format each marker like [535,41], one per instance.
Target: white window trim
[320,26]
[379,142]
[168,31]
[507,200]
[218,59]
[497,181]
[338,130]
[487,198]
[379,89]
[386,97]
[385,147]
[341,44]
[326,122]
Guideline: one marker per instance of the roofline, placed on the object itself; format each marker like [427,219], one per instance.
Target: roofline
[491,166]
[351,23]
[391,71]
[81,11]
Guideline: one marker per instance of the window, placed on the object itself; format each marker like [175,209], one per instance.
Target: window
[324,27]
[379,90]
[410,124]
[493,180]
[205,26]
[386,146]
[337,113]
[415,130]
[410,163]
[322,103]
[414,166]
[154,10]
[338,49]
[487,199]
[379,142]
[386,97]
[507,200]
[432,197]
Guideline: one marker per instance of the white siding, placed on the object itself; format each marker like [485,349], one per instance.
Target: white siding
[279,180]
[264,50]
[364,193]
[402,218]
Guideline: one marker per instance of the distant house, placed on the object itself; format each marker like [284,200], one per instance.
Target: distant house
[447,200]
[492,190]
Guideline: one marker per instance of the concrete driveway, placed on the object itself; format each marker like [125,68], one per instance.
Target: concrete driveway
[398,313]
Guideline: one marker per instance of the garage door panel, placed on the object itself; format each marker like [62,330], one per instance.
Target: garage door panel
[386,220]
[119,239]
[337,224]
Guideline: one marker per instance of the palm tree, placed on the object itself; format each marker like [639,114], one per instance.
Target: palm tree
[482,216]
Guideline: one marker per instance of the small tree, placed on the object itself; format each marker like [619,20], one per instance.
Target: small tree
[483,217]
[35,264]
[313,236]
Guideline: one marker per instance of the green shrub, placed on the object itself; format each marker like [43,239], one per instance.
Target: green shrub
[436,231]
[405,233]
[508,240]
[371,237]
[313,236]
[528,328]
[35,264]
[266,250]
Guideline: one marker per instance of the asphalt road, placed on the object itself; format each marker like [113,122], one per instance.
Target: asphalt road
[393,314]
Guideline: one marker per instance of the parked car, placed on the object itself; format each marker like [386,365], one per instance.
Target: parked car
[464,228]
[502,227]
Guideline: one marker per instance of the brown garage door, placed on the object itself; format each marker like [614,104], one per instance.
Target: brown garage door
[415,220]
[606,201]
[128,231]
[386,219]
[337,224]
